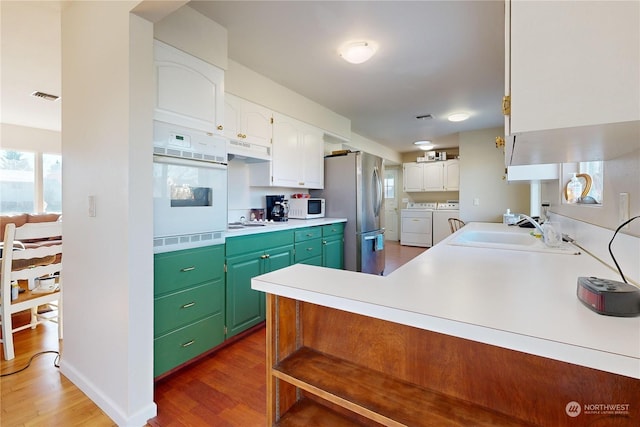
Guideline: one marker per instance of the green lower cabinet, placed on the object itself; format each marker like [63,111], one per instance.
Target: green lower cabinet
[244,306]
[333,245]
[182,345]
[189,305]
[333,253]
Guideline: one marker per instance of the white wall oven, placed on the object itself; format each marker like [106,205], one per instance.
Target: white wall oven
[189,188]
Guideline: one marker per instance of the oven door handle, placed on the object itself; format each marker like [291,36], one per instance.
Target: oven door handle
[188,162]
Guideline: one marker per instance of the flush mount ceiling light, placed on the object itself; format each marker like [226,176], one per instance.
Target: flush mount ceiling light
[458,117]
[424,145]
[357,52]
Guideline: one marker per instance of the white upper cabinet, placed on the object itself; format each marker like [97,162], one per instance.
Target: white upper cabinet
[413,177]
[431,176]
[189,92]
[247,122]
[451,175]
[297,159]
[572,67]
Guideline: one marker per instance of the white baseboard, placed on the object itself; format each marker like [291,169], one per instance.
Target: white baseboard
[107,405]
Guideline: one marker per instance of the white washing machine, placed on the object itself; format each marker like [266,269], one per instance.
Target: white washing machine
[441,215]
[416,224]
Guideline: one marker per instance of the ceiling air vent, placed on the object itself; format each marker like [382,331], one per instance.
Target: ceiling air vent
[46,96]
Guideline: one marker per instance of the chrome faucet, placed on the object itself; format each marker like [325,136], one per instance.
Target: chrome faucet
[533,222]
[550,236]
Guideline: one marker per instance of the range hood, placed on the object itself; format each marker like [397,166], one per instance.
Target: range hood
[248,152]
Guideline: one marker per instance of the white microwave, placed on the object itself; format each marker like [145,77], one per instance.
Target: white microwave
[306,208]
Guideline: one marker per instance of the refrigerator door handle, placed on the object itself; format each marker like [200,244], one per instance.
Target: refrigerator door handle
[378,190]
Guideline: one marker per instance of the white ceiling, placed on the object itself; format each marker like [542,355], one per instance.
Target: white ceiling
[435,57]
[31,61]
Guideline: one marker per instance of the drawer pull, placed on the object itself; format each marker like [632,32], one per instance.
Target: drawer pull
[189,304]
[265,256]
[309,234]
[324,242]
[309,249]
[187,269]
[188,343]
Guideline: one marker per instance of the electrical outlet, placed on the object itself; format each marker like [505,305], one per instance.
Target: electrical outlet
[623,208]
[476,201]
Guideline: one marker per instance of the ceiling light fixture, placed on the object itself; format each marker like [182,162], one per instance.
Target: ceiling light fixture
[458,117]
[357,52]
[424,145]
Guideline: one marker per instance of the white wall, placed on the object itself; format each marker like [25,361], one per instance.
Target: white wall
[107,62]
[30,139]
[192,32]
[482,174]
[246,83]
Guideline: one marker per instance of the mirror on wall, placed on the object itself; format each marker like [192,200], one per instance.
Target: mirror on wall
[582,183]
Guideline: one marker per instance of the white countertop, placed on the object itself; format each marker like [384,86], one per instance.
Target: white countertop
[524,301]
[279,226]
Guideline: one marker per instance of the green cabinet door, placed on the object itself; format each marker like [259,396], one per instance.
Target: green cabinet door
[245,307]
[333,253]
[333,245]
[278,258]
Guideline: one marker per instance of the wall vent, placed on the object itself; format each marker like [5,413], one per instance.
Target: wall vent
[46,96]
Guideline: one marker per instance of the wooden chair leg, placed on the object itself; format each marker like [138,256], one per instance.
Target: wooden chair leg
[34,317]
[7,335]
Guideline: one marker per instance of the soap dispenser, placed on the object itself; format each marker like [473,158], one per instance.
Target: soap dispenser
[574,189]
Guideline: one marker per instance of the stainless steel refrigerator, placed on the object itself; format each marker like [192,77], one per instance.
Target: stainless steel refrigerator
[353,189]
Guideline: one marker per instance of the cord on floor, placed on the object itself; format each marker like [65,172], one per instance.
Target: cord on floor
[55,362]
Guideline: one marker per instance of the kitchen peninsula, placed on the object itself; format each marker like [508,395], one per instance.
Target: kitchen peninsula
[458,336]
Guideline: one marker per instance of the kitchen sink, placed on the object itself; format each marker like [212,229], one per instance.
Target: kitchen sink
[517,241]
[498,237]
[236,225]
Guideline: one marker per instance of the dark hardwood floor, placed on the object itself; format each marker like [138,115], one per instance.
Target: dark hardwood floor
[227,388]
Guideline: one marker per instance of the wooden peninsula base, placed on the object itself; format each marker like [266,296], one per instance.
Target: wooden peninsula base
[327,367]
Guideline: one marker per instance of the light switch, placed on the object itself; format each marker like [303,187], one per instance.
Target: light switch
[92,206]
[476,201]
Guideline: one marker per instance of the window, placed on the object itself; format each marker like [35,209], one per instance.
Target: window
[30,182]
[389,185]
[591,177]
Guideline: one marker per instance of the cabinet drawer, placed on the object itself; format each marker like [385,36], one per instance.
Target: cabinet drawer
[333,229]
[186,306]
[258,242]
[308,249]
[186,343]
[181,269]
[308,234]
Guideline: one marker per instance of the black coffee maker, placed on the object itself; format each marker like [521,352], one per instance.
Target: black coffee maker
[277,208]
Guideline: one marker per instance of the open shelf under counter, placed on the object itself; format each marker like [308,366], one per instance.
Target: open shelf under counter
[380,397]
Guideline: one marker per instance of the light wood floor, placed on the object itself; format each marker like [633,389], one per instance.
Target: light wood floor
[225,389]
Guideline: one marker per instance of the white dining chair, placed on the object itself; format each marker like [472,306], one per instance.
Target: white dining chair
[41,258]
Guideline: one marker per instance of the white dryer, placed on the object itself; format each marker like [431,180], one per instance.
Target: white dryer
[416,224]
[441,216]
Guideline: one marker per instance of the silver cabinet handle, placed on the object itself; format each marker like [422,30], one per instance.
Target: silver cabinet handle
[188,269]
[188,305]
[188,343]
